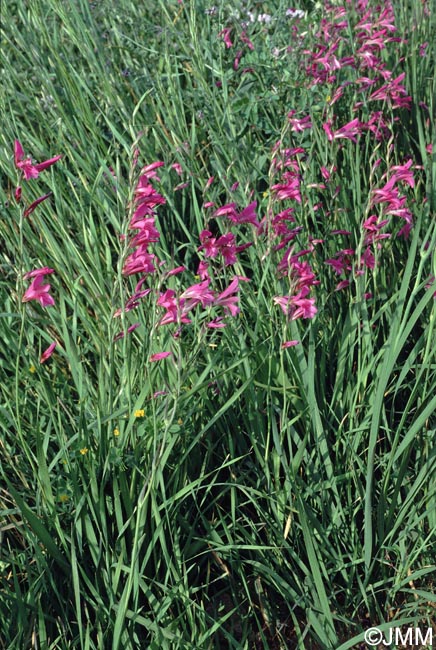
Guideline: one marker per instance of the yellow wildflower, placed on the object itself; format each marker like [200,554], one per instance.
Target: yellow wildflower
[84,451]
[116,431]
[139,413]
[32,369]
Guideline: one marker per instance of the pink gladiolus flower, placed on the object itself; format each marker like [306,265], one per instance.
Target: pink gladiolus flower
[283,303]
[297,306]
[172,316]
[423,49]
[45,270]
[47,353]
[197,293]
[404,173]
[373,226]
[247,215]
[388,193]
[148,234]
[228,210]
[289,344]
[227,248]
[365,82]
[209,182]
[149,171]
[378,125]
[298,125]
[168,301]
[216,323]
[29,169]
[337,94]
[228,301]
[36,202]
[349,131]
[244,38]
[225,33]
[159,393]
[38,291]
[175,271]
[368,258]
[130,329]
[325,173]
[342,262]
[203,270]
[237,60]
[289,259]
[159,355]
[393,92]
[405,230]
[338,265]
[139,262]
[342,285]
[132,302]
[147,198]
[177,168]
[305,307]
[208,244]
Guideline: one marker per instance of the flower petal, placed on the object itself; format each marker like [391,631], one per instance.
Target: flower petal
[159,355]
[47,353]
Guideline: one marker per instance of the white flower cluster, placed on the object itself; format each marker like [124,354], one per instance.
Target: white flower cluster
[266,19]
[295,13]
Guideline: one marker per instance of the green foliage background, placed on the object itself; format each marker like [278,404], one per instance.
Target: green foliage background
[271,498]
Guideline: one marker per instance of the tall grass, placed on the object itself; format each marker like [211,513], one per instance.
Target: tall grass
[270,483]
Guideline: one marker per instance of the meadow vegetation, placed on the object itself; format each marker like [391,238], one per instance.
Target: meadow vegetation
[218,373]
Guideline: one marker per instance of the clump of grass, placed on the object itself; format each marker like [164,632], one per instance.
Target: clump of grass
[218,397]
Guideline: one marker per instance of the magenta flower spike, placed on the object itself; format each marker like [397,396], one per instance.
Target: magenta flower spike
[24,164]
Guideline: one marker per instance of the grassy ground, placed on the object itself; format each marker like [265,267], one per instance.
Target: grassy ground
[237,453]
